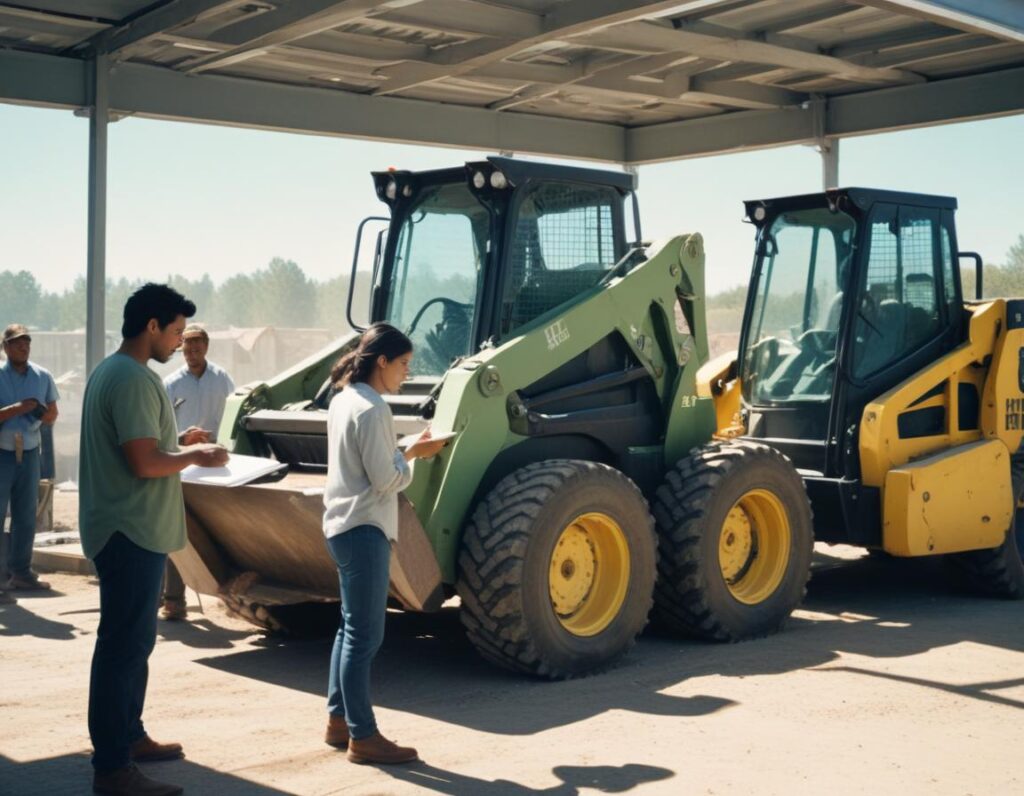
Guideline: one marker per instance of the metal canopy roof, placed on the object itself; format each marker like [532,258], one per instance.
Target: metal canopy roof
[629,82]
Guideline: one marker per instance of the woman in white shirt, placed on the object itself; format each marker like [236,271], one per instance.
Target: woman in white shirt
[365,473]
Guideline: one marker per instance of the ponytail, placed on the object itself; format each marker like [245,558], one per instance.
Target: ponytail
[381,339]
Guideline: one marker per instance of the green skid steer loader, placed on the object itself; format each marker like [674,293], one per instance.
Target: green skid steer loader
[564,355]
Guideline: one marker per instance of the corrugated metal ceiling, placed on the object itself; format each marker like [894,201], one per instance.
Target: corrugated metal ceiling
[631,64]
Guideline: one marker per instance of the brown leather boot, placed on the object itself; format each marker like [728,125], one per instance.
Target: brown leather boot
[337,732]
[129,781]
[146,750]
[173,610]
[28,581]
[378,749]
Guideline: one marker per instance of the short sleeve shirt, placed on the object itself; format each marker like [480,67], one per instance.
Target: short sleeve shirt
[125,400]
[35,382]
[199,402]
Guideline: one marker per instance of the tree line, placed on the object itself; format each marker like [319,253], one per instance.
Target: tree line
[282,295]
[278,295]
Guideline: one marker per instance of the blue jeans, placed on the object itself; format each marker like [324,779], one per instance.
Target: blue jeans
[363,556]
[130,579]
[19,488]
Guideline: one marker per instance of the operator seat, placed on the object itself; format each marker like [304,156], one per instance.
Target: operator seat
[886,341]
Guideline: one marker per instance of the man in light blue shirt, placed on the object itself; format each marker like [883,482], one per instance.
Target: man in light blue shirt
[198,392]
[28,398]
[199,389]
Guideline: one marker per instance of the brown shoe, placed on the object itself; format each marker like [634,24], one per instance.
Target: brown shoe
[378,749]
[27,582]
[337,732]
[146,750]
[173,610]
[129,781]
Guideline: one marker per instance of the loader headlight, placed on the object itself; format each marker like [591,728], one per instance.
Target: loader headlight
[479,180]
[498,181]
[759,214]
[391,191]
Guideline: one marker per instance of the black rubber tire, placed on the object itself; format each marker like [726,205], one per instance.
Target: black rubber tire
[505,557]
[691,596]
[999,572]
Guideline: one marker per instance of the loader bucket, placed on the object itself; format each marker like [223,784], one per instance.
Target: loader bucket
[265,543]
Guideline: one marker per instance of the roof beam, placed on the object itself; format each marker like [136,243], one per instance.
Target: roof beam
[1003,19]
[567,19]
[471,18]
[166,17]
[48,80]
[680,86]
[43,22]
[651,37]
[901,37]
[34,78]
[166,94]
[296,20]
[960,44]
[953,100]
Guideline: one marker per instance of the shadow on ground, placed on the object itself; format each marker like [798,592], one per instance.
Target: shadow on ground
[201,633]
[21,620]
[877,608]
[604,779]
[62,775]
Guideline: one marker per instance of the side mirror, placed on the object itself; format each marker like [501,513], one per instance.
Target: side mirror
[978,269]
[366,269]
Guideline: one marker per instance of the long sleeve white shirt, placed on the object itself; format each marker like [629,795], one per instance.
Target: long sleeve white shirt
[365,469]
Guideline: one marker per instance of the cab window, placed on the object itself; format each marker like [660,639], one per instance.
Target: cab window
[900,302]
[564,241]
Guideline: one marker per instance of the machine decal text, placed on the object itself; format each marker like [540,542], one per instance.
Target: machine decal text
[556,334]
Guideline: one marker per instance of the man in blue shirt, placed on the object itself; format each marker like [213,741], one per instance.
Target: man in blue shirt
[28,398]
[198,391]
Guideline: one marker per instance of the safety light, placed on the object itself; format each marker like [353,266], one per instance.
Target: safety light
[479,180]
[392,190]
[498,181]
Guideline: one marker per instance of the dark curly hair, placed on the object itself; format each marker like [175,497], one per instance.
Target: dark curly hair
[381,339]
[162,302]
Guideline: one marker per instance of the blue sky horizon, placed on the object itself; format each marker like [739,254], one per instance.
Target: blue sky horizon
[190,199]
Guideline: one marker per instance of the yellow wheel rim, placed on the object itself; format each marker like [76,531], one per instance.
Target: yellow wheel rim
[589,574]
[753,546]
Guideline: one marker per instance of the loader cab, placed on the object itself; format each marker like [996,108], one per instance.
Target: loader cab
[474,255]
[852,292]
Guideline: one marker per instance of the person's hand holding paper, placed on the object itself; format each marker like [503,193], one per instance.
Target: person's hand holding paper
[425,444]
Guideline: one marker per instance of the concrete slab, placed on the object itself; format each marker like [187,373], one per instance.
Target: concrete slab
[62,558]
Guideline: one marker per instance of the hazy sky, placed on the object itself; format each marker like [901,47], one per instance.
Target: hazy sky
[190,198]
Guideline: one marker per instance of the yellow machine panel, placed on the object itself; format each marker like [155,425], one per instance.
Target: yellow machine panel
[957,500]
[1002,403]
[882,447]
[717,379]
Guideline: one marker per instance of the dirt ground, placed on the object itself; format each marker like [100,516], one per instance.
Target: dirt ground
[887,681]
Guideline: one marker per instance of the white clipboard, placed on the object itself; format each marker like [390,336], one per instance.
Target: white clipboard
[238,471]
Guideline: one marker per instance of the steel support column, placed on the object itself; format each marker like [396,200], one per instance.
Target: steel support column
[829,149]
[96,275]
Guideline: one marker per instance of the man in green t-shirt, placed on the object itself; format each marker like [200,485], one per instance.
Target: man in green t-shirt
[131,515]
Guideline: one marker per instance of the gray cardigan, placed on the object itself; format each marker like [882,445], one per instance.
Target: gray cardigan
[365,469]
